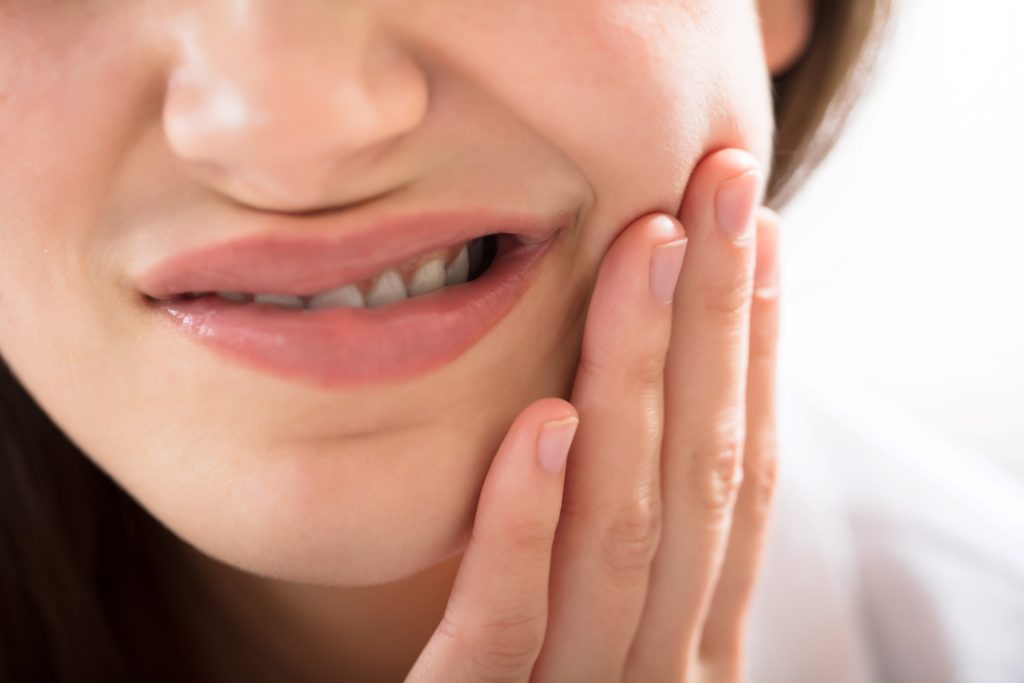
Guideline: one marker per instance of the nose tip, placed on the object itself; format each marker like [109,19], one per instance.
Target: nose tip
[275,122]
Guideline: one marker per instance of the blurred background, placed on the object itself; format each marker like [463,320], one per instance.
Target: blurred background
[902,259]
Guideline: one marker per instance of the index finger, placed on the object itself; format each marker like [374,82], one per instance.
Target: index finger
[496,616]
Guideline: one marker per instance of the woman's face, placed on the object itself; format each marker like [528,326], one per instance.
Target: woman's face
[135,132]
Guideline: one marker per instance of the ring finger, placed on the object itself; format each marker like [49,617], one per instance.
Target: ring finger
[722,640]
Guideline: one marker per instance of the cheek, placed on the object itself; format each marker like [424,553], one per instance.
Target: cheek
[633,93]
[631,99]
[67,92]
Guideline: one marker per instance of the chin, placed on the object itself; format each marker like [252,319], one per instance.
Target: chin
[354,562]
[338,516]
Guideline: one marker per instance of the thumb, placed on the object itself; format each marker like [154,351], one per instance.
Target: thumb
[494,624]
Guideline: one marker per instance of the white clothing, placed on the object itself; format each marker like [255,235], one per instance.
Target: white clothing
[892,556]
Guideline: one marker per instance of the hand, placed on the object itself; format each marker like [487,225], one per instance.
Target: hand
[636,562]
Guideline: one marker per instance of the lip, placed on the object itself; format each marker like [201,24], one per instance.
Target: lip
[347,347]
[274,264]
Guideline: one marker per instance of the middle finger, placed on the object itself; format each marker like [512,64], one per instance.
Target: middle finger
[611,511]
[705,379]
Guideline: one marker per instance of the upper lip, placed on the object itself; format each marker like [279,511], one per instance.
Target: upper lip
[273,262]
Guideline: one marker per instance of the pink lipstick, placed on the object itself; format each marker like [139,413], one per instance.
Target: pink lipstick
[349,345]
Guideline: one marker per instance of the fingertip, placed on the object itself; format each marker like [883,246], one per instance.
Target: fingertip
[730,162]
[550,425]
[737,158]
[767,217]
[545,410]
[546,414]
[715,169]
[633,247]
[553,443]
[664,228]
[646,231]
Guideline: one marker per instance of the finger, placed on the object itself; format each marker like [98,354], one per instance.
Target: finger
[705,377]
[722,642]
[611,514]
[495,620]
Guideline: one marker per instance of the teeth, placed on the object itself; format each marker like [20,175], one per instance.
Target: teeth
[240,297]
[458,272]
[348,296]
[429,277]
[387,289]
[286,300]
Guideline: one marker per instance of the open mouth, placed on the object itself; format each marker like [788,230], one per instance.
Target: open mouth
[423,274]
[397,311]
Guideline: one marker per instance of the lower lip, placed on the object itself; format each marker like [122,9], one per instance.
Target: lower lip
[339,347]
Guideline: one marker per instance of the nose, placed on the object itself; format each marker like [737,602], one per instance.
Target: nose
[278,103]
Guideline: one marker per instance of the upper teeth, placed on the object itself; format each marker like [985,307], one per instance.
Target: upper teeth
[348,296]
[386,288]
[458,270]
[428,277]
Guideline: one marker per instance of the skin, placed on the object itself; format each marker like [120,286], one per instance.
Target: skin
[287,489]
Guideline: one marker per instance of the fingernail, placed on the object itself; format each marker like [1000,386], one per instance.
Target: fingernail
[735,202]
[766,270]
[666,262]
[554,442]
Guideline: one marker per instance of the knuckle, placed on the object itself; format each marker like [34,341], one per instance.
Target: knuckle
[724,659]
[528,537]
[646,369]
[631,537]
[764,333]
[762,364]
[761,475]
[719,474]
[503,649]
[728,300]
[625,365]
[765,327]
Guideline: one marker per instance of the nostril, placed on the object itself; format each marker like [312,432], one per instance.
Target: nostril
[286,120]
[286,114]
[265,156]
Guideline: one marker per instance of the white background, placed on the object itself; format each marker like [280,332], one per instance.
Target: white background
[903,258]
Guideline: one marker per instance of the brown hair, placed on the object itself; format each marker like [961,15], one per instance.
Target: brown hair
[814,96]
[92,587]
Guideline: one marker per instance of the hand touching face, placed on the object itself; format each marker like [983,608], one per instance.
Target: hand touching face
[636,560]
[159,128]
